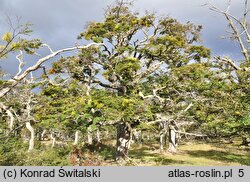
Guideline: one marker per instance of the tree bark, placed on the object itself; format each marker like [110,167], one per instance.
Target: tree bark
[98,136]
[32,136]
[90,138]
[76,137]
[161,140]
[36,66]
[124,136]
[172,140]
[53,140]
[137,136]
[163,131]
[43,133]
[11,122]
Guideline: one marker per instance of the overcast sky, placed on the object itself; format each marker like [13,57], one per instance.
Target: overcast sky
[58,22]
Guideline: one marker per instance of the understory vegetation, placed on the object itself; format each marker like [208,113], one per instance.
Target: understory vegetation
[194,153]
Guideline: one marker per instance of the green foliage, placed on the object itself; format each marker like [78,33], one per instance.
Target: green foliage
[8,151]
[7,37]
[13,152]
[127,67]
[50,157]
[15,41]
[61,108]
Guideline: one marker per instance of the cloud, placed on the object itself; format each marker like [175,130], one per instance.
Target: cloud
[58,22]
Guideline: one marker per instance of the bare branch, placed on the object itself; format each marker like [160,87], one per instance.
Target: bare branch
[191,134]
[20,77]
[19,57]
[46,45]
[245,12]
[188,107]
[155,95]
[228,61]
[231,19]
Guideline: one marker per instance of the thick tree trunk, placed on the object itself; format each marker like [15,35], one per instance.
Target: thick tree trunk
[172,140]
[124,136]
[76,138]
[32,136]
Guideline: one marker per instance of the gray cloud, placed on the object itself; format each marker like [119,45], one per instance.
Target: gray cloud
[58,22]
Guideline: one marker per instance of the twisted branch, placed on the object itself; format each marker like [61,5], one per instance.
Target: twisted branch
[20,77]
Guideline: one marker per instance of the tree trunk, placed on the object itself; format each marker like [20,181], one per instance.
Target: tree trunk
[107,134]
[90,138]
[137,136]
[98,137]
[76,137]
[163,130]
[172,140]
[124,136]
[43,133]
[53,140]
[11,122]
[32,136]
[161,140]
[148,137]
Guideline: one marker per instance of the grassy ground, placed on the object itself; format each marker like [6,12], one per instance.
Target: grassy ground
[196,153]
[189,154]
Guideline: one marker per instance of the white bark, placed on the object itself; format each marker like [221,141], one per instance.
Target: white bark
[124,137]
[32,136]
[43,133]
[172,141]
[90,138]
[21,76]
[98,137]
[124,145]
[11,121]
[161,141]
[239,26]
[76,138]
[53,140]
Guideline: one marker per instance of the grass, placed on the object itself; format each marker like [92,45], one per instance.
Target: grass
[192,154]
[196,153]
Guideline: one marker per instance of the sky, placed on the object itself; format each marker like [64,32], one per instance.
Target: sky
[58,22]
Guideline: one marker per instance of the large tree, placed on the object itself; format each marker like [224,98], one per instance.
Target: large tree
[135,48]
[235,73]
[17,41]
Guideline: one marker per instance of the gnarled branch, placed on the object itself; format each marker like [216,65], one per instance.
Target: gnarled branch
[20,77]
